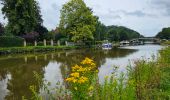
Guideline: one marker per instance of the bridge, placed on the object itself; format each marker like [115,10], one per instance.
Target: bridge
[145,40]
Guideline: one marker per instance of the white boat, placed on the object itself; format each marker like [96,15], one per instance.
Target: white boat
[107,46]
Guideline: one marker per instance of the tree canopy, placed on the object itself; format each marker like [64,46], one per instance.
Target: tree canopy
[114,33]
[164,34]
[77,21]
[23,15]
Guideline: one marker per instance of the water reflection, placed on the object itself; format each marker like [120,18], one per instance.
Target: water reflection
[53,67]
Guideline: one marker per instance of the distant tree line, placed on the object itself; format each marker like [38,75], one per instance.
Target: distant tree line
[114,33]
[164,34]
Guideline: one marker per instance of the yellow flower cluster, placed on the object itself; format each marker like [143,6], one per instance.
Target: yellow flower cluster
[78,74]
[76,79]
[88,61]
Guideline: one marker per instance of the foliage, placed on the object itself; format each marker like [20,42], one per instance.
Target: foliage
[100,33]
[119,33]
[164,34]
[1,29]
[42,32]
[165,42]
[77,21]
[82,79]
[31,37]
[50,35]
[114,33]
[23,15]
[6,41]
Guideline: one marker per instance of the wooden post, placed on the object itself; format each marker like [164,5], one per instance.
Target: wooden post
[25,59]
[45,57]
[52,56]
[45,43]
[58,43]
[25,43]
[36,58]
[66,43]
[35,43]
[52,42]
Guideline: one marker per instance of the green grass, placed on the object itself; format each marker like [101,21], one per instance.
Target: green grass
[11,50]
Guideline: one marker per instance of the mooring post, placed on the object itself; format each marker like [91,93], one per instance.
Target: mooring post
[25,43]
[35,43]
[58,42]
[52,42]
[45,42]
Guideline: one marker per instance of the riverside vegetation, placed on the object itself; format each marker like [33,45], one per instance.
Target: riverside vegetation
[146,80]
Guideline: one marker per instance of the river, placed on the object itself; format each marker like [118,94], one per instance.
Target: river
[16,71]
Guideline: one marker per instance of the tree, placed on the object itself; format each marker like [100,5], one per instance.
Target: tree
[100,31]
[51,35]
[164,34]
[31,37]
[23,15]
[119,33]
[42,32]
[1,29]
[77,21]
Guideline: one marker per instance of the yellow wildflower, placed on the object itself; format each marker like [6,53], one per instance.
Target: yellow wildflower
[70,79]
[76,74]
[82,79]
[87,61]
[81,69]
[75,68]
[74,80]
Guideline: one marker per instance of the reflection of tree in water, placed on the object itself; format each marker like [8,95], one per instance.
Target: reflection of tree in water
[22,76]
[21,68]
[99,56]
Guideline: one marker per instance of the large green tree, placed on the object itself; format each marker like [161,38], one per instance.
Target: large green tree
[77,21]
[23,15]
[100,33]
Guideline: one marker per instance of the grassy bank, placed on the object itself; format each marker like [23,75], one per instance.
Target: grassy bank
[165,43]
[31,49]
[147,80]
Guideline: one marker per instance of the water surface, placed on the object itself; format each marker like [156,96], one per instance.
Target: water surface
[16,71]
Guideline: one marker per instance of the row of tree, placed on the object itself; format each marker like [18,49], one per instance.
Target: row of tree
[114,33]
[77,23]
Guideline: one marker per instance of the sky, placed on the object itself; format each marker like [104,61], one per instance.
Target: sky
[147,17]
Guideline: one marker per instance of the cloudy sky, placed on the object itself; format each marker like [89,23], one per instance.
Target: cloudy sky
[145,16]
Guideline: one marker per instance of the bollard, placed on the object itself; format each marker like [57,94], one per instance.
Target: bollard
[35,43]
[25,43]
[45,43]
[52,42]
[58,43]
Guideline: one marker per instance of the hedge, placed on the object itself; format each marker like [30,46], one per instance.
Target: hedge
[9,41]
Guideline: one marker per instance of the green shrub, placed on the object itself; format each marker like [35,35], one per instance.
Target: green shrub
[8,41]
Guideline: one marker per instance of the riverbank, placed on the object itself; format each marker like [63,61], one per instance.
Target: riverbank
[33,49]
